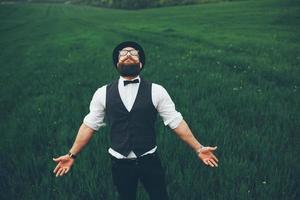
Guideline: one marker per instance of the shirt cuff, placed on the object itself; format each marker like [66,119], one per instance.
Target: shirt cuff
[175,122]
[93,126]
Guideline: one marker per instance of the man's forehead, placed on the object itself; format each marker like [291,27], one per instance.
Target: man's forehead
[128,48]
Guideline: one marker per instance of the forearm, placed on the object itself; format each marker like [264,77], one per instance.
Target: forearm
[184,133]
[83,136]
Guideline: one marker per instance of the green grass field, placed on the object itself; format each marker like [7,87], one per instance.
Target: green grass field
[231,68]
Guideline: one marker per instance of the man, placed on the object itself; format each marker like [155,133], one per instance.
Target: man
[131,105]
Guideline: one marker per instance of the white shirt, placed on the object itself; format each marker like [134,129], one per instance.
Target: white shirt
[160,99]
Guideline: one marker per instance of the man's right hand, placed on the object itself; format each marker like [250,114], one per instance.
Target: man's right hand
[64,164]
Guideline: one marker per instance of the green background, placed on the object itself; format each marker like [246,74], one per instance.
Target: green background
[232,69]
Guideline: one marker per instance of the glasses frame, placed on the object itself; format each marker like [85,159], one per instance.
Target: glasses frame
[129,53]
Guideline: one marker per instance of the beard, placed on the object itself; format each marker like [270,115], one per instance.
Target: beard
[129,69]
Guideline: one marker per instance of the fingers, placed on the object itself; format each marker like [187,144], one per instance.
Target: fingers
[56,168]
[214,162]
[63,171]
[210,163]
[215,157]
[208,149]
[57,159]
[67,170]
[212,148]
[205,161]
[59,171]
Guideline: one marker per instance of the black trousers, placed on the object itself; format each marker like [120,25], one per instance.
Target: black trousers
[148,169]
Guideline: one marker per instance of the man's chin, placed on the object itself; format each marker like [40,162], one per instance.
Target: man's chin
[129,69]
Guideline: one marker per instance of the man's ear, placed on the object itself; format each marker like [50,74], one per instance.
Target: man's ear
[141,65]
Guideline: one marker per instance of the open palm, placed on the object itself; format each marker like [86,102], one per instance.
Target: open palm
[63,166]
[207,156]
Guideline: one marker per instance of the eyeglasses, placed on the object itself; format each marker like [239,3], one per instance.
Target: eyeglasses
[132,52]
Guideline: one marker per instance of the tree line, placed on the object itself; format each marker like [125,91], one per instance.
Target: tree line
[137,4]
[123,4]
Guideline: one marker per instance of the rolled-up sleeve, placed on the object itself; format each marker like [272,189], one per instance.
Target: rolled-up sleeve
[94,119]
[165,106]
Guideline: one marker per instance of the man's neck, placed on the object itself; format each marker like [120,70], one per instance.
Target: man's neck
[129,77]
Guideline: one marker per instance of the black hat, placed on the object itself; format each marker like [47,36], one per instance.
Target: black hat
[128,44]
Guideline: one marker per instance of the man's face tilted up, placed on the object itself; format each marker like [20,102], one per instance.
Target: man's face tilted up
[129,64]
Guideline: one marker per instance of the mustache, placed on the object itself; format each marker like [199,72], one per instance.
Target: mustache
[128,58]
[128,65]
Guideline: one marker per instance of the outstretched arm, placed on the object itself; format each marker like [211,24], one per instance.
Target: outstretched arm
[65,162]
[83,137]
[204,153]
[166,109]
[92,122]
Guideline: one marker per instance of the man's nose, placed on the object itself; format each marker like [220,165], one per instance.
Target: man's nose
[128,54]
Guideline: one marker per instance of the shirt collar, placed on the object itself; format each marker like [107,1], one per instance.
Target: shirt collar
[123,79]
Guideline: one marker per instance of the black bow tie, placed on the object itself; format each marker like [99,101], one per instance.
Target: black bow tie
[128,82]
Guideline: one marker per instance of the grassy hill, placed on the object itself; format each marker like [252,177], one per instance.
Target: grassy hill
[231,68]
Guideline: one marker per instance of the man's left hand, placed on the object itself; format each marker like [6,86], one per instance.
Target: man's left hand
[206,155]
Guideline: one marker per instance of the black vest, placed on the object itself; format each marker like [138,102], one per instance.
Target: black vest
[134,130]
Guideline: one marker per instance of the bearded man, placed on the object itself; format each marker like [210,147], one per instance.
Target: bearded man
[131,105]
